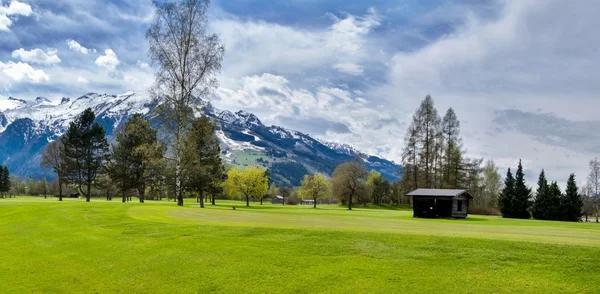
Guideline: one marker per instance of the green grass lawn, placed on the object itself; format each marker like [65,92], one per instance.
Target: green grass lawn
[156,247]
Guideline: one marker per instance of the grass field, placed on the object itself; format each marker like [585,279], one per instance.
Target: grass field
[156,247]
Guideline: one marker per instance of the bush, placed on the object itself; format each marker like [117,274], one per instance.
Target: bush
[474,209]
[292,200]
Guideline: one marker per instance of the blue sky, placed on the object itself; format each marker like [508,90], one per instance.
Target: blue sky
[347,70]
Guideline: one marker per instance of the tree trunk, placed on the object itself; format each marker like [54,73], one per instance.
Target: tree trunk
[213,199]
[260,201]
[350,203]
[315,202]
[247,200]
[124,197]
[59,190]
[141,194]
[88,194]
[201,199]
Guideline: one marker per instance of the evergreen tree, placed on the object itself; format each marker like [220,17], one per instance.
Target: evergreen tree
[505,201]
[554,202]
[522,195]
[137,157]
[541,202]
[203,169]
[571,204]
[452,157]
[84,151]
[6,183]
[2,183]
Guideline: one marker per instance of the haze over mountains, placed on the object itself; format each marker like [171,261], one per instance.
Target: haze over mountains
[27,126]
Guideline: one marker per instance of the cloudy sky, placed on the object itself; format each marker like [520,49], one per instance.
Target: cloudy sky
[522,75]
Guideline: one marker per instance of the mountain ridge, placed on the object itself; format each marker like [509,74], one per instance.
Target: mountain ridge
[27,126]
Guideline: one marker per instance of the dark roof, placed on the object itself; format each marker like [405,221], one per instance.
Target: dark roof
[439,193]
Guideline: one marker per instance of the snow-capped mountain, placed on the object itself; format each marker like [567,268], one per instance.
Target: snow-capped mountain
[27,126]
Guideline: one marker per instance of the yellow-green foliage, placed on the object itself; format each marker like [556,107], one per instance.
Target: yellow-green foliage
[314,187]
[251,182]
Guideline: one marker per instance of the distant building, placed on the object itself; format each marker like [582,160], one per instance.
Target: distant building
[277,199]
[444,203]
[308,202]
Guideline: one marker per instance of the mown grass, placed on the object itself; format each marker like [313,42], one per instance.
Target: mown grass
[111,247]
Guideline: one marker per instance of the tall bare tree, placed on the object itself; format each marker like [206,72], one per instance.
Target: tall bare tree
[52,159]
[594,183]
[186,58]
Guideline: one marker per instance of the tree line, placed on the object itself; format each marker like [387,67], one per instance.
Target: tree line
[549,203]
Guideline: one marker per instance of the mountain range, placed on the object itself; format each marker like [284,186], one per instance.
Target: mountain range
[26,127]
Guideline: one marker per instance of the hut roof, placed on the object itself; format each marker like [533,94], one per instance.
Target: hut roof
[450,193]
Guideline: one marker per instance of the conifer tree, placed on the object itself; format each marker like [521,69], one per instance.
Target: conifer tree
[540,205]
[137,157]
[522,195]
[505,201]
[571,204]
[5,180]
[554,202]
[1,181]
[203,169]
[84,151]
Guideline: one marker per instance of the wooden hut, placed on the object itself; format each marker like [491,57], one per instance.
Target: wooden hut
[435,203]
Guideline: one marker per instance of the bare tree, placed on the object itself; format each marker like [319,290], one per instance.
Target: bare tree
[51,159]
[186,58]
[349,182]
[594,183]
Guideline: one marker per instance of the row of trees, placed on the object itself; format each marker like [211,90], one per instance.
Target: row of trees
[83,159]
[434,157]
[549,203]
[4,180]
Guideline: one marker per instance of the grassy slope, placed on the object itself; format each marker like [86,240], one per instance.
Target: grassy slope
[155,247]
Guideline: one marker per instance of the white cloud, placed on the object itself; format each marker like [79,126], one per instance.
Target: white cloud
[349,68]
[288,50]
[75,46]
[37,56]
[143,65]
[109,60]
[82,80]
[15,8]
[23,72]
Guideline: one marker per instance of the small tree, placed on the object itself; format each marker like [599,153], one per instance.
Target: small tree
[314,187]
[137,157]
[84,151]
[522,195]
[204,171]
[271,193]
[506,196]
[250,182]
[571,204]
[379,187]
[52,159]
[349,182]
[542,205]
[44,187]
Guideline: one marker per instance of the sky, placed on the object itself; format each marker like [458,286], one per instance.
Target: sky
[522,75]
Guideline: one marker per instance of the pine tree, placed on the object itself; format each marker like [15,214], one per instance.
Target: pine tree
[505,201]
[554,202]
[204,170]
[1,181]
[522,195]
[571,204]
[137,157]
[541,202]
[6,184]
[84,151]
